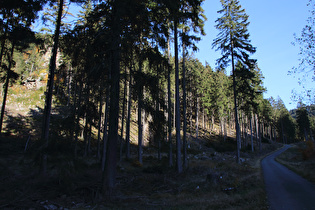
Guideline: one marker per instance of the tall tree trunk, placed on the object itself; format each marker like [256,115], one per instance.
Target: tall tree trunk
[111,154]
[251,133]
[212,120]
[257,130]
[140,124]
[49,91]
[87,120]
[128,118]
[169,108]
[123,117]
[221,127]
[177,103]
[224,128]
[6,86]
[98,153]
[157,134]
[184,110]
[5,29]
[260,135]
[77,122]
[238,137]
[191,112]
[203,118]
[105,128]
[197,118]
[50,82]
[73,93]
[69,81]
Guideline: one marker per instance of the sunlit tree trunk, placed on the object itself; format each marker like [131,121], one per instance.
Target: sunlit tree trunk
[123,117]
[169,109]
[197,118]
[128,118]
[105,129]
[98,152]
[184,111]
[140,123]
[251,133]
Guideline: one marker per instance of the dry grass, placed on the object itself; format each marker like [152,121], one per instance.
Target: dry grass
[294,159]
[212,181]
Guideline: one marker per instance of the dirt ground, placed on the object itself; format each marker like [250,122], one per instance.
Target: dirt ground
[212,179]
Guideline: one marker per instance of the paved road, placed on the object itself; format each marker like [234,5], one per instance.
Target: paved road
[285,189]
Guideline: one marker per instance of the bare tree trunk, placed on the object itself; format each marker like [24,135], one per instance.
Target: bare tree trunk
[260,135]
[105,129]
[140,124]
[98,153]
[251,133]
[191,113]
[184,110]
[169,109]
[111,154]
[5,30]
[197,118]
[6,86]
[87,120]
[50,82]
[256,125]
[177,103]
[128,118]
[203,118]
[77,123]
[238,136]
[123,117]
[225,130]
[212,120]
[158,136]
[49,91]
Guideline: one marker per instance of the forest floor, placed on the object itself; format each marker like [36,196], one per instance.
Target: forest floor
[212,180]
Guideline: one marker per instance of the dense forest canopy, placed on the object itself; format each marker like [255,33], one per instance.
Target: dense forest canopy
[115,78]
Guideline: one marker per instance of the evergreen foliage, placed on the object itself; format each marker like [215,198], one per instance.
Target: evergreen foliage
[113,86]
[233,41]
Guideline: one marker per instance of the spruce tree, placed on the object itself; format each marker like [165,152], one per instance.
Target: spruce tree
[233,41]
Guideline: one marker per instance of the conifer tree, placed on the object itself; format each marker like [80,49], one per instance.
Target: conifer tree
[15,32]
[50,83]
[233,41]
[303,122]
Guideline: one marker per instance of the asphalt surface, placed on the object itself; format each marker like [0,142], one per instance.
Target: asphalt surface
[285,189]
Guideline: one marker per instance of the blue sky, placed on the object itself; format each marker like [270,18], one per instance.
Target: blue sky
[272,27]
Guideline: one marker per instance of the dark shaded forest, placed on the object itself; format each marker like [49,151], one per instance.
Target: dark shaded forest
[114,111]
